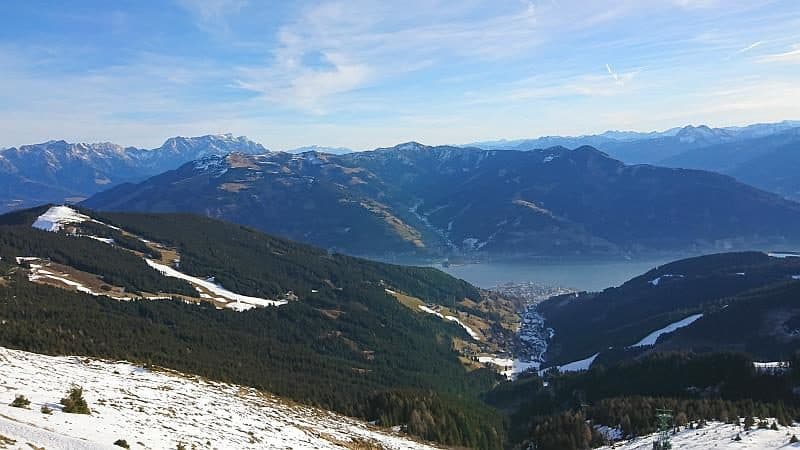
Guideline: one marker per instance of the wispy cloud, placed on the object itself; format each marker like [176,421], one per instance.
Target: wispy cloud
[792,56]
[291,83]
[211,15]
[359,42]
[749,47]
[744,50]
[614,75]
[364,73]
[621,79]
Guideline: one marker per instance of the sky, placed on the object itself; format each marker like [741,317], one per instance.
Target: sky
[366,74]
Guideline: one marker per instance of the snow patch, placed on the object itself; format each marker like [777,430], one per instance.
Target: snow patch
[656,281]
[580,365]
[469,330]
[101,239]
[717,435]
[609,433]
[38,273]
[24,259]
[651,338]
[783,255]
[56,217]
[239,302]
[510,368]
[574,366]
[430,311]
[215,166]
[771,366]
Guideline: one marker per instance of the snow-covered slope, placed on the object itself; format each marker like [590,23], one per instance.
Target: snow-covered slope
[233,300]
[718,435]
[58,171]
[158,410]
[651,338]
[57,216]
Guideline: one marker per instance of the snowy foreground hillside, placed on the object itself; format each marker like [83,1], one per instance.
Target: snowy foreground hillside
[717,435]
[161,410]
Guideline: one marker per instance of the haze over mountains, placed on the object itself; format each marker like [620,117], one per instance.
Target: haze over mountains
[648,147]
[415,199]
[569,196]
[764,155]
[58,171]
[320,149]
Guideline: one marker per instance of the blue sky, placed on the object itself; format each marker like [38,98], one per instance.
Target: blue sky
[364,74]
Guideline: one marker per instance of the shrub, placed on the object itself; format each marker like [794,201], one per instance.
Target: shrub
[74,402]
[794,439]
[20,402]
[122,443]
[46,410]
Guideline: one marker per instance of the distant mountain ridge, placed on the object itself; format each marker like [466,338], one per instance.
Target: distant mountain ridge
[687,134]
[321,149]
[769,162]
[435,201]
[58,171]
[764,155]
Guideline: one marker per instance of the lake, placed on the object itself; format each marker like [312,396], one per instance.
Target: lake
[584,275]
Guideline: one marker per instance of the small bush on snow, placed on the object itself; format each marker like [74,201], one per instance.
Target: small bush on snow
[74,402]
[20,402]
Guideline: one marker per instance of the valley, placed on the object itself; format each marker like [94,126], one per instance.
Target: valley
[124,282]
[180,288]
[579,274]
[326,224]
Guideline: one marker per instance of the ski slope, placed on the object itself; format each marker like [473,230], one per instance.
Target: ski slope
[651,338]
[159,409]
[720,436]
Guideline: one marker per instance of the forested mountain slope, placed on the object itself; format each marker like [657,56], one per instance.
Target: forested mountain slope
[335,338]
[433,201]
[724,302]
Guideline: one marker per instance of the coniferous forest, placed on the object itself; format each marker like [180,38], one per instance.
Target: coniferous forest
[348,346]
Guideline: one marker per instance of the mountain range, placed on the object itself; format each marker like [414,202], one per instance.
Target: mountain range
[320,149]
[764,155]
[647,147]
[416,199]
[58,171]
[768,162]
